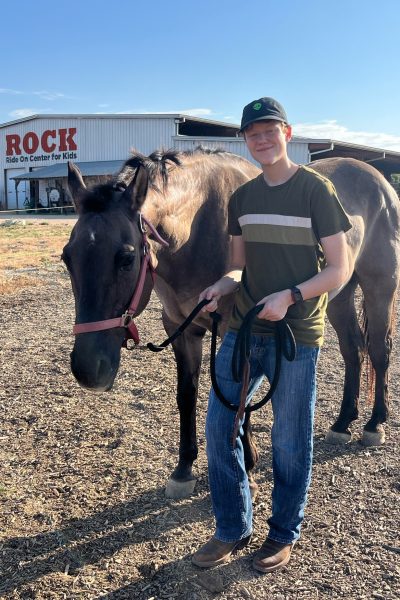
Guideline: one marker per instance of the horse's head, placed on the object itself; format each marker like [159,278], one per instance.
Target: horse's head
[103,257]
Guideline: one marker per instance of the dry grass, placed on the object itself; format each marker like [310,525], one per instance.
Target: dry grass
[15,283]
[28,247]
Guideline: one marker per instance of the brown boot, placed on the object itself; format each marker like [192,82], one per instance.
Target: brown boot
[272,556]
[215,552]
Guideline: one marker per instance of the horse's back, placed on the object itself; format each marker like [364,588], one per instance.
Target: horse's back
[374,211]
[361,188]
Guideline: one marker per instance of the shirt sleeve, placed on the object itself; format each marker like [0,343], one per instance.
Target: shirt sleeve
[328,214]
[233,216]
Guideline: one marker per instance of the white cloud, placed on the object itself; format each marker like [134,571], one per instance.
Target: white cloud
[334,131]
[194,112]
[20,113]
[8,91]
[45,95]
[197,112]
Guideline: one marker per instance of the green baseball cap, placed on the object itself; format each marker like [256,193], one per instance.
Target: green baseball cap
[262,110]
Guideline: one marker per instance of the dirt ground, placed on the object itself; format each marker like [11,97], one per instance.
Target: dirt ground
[82,476]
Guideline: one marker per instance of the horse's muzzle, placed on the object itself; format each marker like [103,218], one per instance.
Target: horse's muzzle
[94,368]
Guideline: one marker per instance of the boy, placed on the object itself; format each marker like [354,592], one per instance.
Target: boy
[288,249]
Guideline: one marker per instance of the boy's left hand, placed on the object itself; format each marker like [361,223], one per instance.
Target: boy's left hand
[275,305]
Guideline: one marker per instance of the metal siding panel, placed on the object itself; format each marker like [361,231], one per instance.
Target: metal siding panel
[297,151]
[100,139]
[97,139]
[234,145]
[112,138]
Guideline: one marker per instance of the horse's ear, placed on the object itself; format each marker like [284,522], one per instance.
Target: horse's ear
[136,192]
[76,185]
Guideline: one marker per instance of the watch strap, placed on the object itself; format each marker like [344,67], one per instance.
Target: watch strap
[297,296]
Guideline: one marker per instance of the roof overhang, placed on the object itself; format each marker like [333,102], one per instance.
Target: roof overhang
[387,161]
[88,169]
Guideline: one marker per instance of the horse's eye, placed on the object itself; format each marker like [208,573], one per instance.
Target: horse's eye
[125,260]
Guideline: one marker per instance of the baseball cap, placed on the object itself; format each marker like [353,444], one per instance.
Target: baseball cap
[261,110]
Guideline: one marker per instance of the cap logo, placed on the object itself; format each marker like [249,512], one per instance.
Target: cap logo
[257,106]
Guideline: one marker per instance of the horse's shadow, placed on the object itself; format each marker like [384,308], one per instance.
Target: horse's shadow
[90,540]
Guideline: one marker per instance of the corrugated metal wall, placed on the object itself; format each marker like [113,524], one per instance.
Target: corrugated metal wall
[297,151]
[97,138]
[101,138]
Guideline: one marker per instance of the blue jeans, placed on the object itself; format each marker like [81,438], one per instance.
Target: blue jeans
[292,441]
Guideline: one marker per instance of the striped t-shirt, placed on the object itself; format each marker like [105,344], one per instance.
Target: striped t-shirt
[281,228]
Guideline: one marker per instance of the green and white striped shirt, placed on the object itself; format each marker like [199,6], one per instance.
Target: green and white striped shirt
[281,228]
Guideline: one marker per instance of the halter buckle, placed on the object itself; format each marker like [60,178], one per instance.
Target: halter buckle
[126,319]
[142,225]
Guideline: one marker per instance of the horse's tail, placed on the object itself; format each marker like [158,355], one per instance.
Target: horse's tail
[370,374]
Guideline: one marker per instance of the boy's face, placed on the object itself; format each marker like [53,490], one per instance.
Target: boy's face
[267,141]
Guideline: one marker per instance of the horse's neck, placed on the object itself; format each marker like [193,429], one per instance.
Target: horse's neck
[172,218]
[154,214]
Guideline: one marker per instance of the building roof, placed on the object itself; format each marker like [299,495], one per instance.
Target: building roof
[183,117]
[88,169]
[386,161]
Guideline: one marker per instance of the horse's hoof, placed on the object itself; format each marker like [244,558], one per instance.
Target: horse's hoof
[336,437]
[253,490]
[373,438]
[179,489]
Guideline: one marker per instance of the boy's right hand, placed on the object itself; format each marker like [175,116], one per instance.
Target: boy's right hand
[212,293]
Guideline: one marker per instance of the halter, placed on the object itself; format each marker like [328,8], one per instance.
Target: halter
[126,320]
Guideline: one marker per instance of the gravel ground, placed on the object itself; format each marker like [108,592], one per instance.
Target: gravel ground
[84,513]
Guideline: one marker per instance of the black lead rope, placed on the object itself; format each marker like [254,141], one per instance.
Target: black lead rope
[181,328]
[285,345]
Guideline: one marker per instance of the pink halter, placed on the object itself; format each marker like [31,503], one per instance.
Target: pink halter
[126,320]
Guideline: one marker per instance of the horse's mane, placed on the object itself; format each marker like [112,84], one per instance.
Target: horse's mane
[161,162]
[158,165]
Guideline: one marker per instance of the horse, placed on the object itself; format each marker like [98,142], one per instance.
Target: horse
[181,198]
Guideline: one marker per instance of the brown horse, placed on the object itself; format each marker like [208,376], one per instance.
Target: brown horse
[185,196]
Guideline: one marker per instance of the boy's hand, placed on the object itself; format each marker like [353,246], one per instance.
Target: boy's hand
[275,305]
[212,293]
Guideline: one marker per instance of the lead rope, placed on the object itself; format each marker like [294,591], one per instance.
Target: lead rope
[285,345]
[181,328]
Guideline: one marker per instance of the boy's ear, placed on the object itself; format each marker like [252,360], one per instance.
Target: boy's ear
[288,133]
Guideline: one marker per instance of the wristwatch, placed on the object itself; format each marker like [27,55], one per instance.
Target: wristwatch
[296,295]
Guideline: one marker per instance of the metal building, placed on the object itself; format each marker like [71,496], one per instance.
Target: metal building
[34,151]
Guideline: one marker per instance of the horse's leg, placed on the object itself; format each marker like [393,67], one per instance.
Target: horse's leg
[379,304]
[250,454]
[188,352]
[343,317]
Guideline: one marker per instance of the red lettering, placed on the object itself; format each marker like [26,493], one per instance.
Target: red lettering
[66,141]
[45,140]
[30,143]
[13,141]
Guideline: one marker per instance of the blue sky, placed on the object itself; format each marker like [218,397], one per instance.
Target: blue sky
[332,63]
